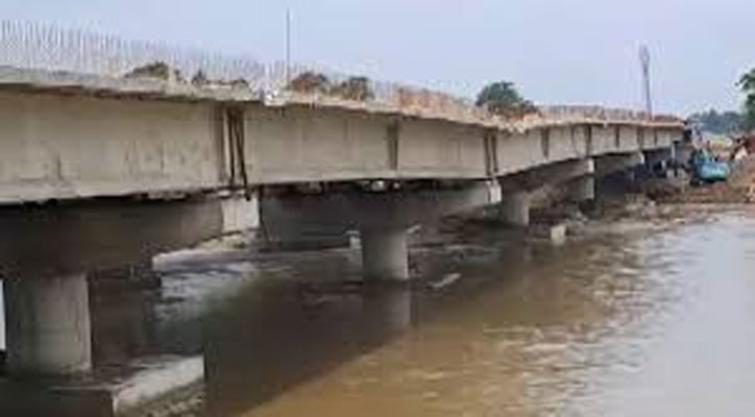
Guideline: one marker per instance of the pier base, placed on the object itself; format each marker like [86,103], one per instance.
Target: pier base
[385,254]
[47,326]
[516,209]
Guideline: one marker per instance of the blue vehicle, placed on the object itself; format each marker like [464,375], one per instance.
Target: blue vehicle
[705,168]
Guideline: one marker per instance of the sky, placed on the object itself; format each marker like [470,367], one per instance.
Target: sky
[555,51]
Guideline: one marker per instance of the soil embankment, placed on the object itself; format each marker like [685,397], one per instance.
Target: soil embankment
[739,189]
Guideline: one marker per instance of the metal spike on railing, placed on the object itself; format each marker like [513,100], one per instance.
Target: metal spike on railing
[36,46]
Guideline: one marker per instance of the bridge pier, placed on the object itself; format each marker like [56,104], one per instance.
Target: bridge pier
[582,189]
[516,208]
[48,326]
[385,253]
[657,161]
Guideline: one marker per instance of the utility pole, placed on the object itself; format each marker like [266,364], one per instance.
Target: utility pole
[645,64]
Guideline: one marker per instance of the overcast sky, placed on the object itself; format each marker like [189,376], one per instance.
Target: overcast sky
[556,51]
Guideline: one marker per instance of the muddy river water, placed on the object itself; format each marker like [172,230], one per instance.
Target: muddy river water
[632,321]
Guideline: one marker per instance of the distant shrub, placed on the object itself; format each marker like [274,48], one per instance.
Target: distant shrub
[502,98]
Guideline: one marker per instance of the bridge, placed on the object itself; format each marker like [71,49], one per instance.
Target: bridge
[100,172]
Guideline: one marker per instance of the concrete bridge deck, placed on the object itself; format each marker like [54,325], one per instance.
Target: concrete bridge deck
[69,136]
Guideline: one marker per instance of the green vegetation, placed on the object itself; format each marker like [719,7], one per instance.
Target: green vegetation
[503,98]
[747,85]
[731,122]
[719,123]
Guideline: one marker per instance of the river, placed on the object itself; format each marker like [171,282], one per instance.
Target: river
[637,319]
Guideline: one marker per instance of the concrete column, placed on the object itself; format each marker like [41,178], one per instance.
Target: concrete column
[47,325]
[2,317]
[385,254]
[582,189]
[516,208]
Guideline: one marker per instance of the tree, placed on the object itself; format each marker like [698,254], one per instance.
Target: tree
[720,123]
[503,98]
[747,85]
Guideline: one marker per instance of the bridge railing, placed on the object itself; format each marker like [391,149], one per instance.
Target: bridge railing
[30,45]
[38,46]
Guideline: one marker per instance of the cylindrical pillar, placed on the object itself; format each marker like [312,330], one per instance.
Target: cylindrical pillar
[516,208]
[385,254]
[47,326]
[582,189]
[2,317]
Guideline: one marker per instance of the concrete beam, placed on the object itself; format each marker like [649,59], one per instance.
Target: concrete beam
[101,235]
[549,174]
[609,164]
[333,213]
[382,218]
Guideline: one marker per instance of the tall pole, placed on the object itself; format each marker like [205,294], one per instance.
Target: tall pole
[645,63]
[288,46]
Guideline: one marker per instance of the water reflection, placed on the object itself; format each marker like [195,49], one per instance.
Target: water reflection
[270,340]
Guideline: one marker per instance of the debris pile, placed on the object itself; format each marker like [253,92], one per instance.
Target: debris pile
[310,83]
[162,71]
[353,88]
[159,70]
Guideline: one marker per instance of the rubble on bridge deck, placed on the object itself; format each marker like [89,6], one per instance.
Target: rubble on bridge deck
[394,100]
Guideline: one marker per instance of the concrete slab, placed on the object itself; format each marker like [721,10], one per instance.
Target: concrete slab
[555,234]
[143,384]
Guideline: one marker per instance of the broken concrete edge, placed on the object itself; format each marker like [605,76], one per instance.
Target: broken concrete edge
[156,380]
[150,382]
[67,82]
[555,234]
[436,106]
